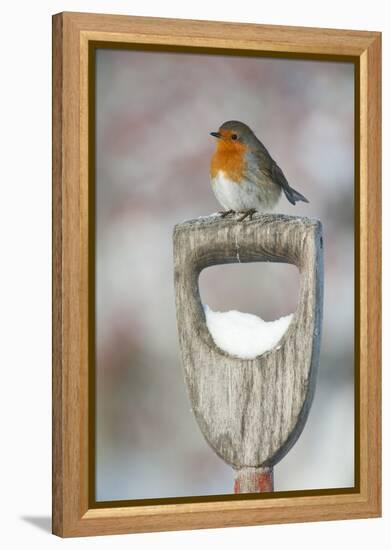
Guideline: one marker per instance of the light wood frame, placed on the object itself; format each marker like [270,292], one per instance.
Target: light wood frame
[73,512]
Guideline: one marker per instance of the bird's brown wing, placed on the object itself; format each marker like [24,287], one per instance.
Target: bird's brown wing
[261,166]
[291,194]
[278,177]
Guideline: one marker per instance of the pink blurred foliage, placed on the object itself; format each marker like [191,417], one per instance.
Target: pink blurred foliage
[154,115]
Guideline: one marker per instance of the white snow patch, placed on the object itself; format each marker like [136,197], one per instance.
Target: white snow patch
[244,335]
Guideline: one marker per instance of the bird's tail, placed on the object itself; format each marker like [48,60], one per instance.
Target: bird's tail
[294,196]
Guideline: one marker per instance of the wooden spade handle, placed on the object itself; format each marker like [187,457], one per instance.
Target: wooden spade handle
[250,411]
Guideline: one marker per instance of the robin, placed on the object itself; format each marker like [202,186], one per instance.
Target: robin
[244,176]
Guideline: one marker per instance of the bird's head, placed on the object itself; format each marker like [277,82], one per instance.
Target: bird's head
[234,135]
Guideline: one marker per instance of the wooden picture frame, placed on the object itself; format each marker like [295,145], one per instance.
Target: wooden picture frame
[75,35]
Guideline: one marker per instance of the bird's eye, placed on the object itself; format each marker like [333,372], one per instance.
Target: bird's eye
[234,136]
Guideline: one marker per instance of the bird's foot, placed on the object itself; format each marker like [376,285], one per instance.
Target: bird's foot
[225,213]
[248,214]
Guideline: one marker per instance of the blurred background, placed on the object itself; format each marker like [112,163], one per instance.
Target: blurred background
[154,112]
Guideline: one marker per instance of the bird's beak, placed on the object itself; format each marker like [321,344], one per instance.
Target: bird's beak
[215,134]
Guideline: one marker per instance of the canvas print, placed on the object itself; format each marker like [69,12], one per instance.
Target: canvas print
[224,274]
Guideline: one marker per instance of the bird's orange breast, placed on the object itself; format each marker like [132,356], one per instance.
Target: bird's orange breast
[230,159]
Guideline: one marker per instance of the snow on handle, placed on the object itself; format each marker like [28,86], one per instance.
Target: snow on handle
[244,335]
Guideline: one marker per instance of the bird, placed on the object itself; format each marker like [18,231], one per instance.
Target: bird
[244,176]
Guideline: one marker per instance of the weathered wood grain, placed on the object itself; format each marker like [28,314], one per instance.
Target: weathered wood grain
[250,411]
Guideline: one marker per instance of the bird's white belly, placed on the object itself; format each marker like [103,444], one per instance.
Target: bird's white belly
[243,195]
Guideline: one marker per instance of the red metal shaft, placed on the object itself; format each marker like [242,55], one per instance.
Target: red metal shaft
[254,480]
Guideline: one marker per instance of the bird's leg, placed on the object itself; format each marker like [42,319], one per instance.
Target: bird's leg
[248,214]
[225,213]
